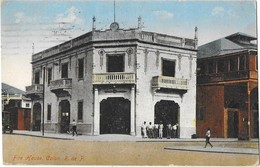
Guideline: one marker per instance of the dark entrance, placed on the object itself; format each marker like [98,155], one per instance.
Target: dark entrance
[64,116]
[36,117]
[256,124]
[115,116]
[166,112]
[232,124]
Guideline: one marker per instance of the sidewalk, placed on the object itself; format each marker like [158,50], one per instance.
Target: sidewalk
[117,137]
[228,148]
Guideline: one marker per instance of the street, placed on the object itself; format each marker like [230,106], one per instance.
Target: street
[30,150]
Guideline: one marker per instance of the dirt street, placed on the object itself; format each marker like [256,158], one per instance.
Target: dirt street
[18,149]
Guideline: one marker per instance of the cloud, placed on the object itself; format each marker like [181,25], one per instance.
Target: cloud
[163,14]
[218,11]
[71,16]
[20,17]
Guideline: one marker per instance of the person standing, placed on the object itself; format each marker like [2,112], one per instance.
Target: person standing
[208,138]
[160,130]
[174,129]
[156,126]
[74,127]
[144,130]
[169,129]
[150,130]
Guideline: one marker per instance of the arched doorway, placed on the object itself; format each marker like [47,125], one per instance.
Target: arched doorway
[64,116]
[166,112]
[36,117]
[115,116]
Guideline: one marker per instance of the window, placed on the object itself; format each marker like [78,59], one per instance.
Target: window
[233,63]
[64,70]
[241,63]
[168,68]
[80,110]
[202,68]
[222,66]
[212,67]
[49,75]
[49,112]
[200,113]
[115,63]
[37,77]
[27,105]
[80,68]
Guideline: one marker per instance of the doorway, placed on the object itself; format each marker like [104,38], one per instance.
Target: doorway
[36,117]
[232,124]
[166,112]
[64,116]
[115,116]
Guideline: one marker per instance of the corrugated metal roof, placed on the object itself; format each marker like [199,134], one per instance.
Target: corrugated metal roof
[224,46]
[8,89]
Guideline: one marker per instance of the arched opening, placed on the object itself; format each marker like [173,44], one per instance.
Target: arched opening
[64,116]
[36,117]
[115,116]
[166,112]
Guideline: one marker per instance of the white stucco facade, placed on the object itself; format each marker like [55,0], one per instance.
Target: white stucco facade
[121,95]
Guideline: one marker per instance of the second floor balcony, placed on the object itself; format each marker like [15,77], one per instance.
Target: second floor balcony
[61,86]
[227,76]
[113,78]
[34,90]
[159,82]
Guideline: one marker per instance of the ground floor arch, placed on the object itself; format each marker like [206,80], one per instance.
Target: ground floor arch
[36,117]
[64,108]
[115,116]
[166,112]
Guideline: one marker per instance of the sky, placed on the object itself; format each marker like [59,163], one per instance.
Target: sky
[29,27]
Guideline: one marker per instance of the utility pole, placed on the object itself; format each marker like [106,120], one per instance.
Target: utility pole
[43,95]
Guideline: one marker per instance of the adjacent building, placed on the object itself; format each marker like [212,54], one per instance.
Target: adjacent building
[227,88]
[17,106]
[112,81]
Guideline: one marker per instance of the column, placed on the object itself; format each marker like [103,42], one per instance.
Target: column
[132,111]
[96,112]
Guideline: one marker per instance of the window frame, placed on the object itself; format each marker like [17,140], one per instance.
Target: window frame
[162,67]
[62,74]
[49,112]
[80,110]
[80,71]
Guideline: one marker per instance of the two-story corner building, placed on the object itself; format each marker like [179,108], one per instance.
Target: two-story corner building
[227,87]
[112,81]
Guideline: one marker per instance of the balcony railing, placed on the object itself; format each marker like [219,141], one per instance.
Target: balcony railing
[34,89]
[65,83]
[226,76]
[169,82]
[114,78]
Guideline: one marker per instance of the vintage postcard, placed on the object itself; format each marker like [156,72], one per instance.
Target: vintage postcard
[140,83]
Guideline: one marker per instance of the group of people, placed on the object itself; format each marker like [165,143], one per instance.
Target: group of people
[156,130]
